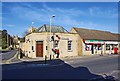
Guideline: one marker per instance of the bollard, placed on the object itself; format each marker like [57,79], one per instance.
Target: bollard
[50,57]
[45,59]
[18,56]
[53,56]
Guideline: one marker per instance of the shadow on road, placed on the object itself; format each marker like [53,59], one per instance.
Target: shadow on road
[57,69]
[5,51]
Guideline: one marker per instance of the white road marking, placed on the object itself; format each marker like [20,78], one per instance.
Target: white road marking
[13,57]
[8,61]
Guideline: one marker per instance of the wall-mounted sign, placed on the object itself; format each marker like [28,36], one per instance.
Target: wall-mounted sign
[64,38]
[111,42]
[94,41]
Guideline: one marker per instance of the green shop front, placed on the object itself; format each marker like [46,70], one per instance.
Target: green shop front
[92,47]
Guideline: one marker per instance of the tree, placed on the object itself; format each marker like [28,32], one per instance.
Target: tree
[4,43]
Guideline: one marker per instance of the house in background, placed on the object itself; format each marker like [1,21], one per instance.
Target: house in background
[40,43]
[17,41]
[96,42]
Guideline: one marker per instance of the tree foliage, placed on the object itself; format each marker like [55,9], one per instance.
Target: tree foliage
[4,43]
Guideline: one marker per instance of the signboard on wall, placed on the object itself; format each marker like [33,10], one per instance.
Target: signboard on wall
[65,38]
[112,42]
[94,41]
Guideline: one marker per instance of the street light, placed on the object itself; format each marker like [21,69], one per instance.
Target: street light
[50,34]
[51,21]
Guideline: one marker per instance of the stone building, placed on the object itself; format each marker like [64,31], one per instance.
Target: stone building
[41,42]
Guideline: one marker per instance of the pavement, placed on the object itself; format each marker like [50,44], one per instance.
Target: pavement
[87,57]
[15,58]
[27,59]
[19,63]
[69,57]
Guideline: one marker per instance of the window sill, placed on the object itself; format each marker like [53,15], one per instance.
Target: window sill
[70,50]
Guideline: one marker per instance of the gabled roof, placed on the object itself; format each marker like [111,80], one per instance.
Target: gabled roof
[96,34]
[55,29]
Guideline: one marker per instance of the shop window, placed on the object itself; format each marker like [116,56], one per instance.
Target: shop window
[99,47]
[112,47]
[109,47]
[87,47]
[115,46]
[69,45]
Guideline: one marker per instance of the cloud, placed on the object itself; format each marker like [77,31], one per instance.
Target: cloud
[64,17]
[104,13]
[29,11]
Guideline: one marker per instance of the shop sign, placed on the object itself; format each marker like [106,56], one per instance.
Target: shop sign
[112,42]
[94,41]
[64,38]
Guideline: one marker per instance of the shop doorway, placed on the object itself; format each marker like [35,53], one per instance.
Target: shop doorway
[39,48]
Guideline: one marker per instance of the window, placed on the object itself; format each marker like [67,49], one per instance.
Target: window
[32,48]
[114,46]
[26,40]
[109,47]
[69,45]
[56,43]
[87,47]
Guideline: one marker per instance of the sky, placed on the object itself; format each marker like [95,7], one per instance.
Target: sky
[17,17]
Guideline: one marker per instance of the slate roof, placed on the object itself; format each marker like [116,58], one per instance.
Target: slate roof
[55,29]
[97,34]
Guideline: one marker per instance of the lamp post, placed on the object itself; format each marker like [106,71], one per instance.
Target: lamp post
[50,36]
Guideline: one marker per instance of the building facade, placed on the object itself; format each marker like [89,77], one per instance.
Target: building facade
[93,42]
[42,43]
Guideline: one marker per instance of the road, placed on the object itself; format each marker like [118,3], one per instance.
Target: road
[76,68]
[6,55]
[104,64]
[98,64]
